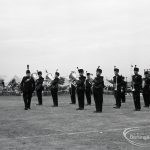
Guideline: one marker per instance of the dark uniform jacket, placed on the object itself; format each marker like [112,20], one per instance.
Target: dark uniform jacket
[118,80]
[27,84]
[88,84]
[81,83]
[73,84]
[124,86]
[39,84]
[54,84]
[137,82]
[146,87]
[98,83]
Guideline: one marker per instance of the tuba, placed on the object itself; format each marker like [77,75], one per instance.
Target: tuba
[49,78]
[35,75]
[73,78]
[73,75]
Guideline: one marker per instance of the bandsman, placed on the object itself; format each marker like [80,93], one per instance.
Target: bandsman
[117,81]
[123,90]
[54,89]
[27,87]
[98,86]
[137,86]
[73,91]
[81,89]
[146,89]
[88,86]
[39,87]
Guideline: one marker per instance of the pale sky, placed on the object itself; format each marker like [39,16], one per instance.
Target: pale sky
[64,34]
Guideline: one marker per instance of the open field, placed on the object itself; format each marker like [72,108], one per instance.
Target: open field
[64,128]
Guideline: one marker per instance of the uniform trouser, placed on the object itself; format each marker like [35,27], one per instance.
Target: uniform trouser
[27,98]
[146,96]
[123,97]
[73,96]
[117,95]
[80,94]
[98,98]
[88,96]
[54,93]
[136,98]
[39,95]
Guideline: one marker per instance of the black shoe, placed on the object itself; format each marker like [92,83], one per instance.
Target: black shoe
[29,108]
[72,103]
[97,111]
[88,104]
[54,106]
[25,108]
[117,107]
[146,106]
[137,109]
[80,109]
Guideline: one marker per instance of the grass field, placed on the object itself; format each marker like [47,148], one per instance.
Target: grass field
[64,128]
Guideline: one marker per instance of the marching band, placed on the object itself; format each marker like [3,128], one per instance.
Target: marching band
[86,87]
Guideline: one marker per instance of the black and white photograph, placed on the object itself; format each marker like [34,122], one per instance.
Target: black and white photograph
[74,75]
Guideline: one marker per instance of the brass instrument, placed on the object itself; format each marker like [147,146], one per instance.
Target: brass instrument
[91,79]
[49,79]
[34,75]
[73,78]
